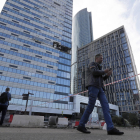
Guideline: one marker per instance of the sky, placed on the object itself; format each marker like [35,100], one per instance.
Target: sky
[108,15]
[2,2]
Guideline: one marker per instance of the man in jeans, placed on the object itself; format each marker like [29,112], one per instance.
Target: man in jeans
[4,106]
[94,83]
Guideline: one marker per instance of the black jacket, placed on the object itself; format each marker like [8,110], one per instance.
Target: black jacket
[95,75]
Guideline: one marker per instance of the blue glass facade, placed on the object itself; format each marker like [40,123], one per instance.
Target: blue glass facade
[29,60]
[117,54]
[82,34]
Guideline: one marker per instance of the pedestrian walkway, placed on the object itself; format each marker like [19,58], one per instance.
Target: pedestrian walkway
[64,134]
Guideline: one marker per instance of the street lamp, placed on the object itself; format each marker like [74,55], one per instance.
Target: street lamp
[26,97]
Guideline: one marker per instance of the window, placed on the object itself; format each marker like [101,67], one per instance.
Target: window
[128,60]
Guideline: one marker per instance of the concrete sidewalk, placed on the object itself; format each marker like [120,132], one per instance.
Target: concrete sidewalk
[64,134]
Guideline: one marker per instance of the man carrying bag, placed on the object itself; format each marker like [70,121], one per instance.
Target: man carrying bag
[4,102]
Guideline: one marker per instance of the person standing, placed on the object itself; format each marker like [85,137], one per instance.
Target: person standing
[94,83]
[4,102]
[139,118]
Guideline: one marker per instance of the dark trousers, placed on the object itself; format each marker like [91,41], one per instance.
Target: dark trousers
[3,109]
[139,123]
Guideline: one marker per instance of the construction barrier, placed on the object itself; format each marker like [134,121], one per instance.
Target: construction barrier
[105,126]
[63,121]
[102,123]
[11,118]
[27,121]
[76,123]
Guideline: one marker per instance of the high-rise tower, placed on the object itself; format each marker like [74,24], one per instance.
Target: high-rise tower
[82,34]
[117,54]
[35,53]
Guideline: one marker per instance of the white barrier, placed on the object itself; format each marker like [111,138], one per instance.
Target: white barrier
[93,125]
[27,121]
[105,127]
[63,121]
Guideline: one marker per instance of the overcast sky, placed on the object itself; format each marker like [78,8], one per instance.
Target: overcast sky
[2,2]
[108,15]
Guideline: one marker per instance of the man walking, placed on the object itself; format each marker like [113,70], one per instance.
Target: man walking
[4,102]
[94,83]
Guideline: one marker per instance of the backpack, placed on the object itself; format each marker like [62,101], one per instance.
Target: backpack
[3,98]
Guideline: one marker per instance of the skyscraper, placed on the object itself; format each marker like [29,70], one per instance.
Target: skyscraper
[35,53]
[117,54]
[82,34]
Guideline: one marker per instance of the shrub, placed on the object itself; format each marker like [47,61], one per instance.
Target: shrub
[117,120]
[133,119]
[125,115]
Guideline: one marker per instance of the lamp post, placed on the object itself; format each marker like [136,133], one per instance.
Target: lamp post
[26,97]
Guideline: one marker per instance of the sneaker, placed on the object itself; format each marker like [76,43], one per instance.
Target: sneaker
[114,131]
[83,129]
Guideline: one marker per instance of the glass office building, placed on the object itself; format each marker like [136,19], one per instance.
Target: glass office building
[81,35]
[117,54]
[35,53]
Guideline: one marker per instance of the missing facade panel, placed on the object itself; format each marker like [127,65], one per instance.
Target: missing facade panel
[55,25]
[47,39]
[49,66]
[51,82]
[26,8]
[2,38]
[38,42]
[62,102]
[26,19]
[36,7]
[13,66]
[15,21]
[54,15]
[15,9]
[56,3]
[37,29]
[1,54]
[14,34]
[26,45]
[48,52]
[13,50]
[27,78]
[27,61]
[2,23]
[26,32]
[46,17]
[56,36]
[45,7]
[36,18]
[39,72]
[46,27]
[38,56]
[4,11]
